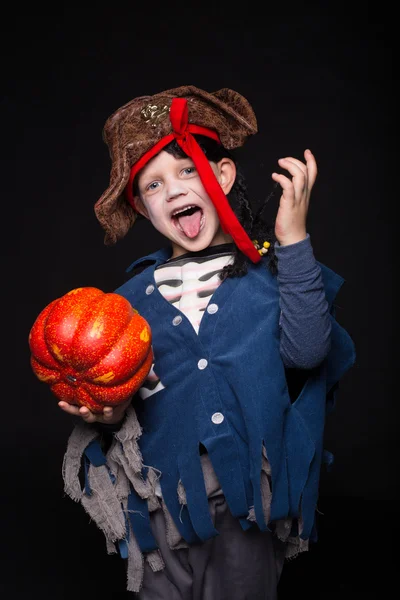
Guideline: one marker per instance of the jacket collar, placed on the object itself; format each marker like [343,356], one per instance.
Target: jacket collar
[161,256]
[158,258]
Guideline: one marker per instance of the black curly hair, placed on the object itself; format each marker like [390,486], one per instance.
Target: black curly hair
[251,220]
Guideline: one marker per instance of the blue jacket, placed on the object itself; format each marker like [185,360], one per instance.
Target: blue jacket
[226,388]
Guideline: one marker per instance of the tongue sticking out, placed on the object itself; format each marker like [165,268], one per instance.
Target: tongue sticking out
[191,223]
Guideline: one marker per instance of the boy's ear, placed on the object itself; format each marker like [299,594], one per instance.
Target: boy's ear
[226,174]
[140,207]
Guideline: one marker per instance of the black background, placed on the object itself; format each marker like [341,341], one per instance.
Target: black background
[320,78]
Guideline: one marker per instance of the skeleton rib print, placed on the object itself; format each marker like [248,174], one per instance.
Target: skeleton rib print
[188,284]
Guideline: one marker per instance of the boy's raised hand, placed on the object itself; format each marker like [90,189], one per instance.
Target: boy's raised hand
[290,224]
[110,415]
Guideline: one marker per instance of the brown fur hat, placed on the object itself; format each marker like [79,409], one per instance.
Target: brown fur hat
[138,125]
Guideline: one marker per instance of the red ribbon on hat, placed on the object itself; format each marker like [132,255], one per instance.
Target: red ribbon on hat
[183,134]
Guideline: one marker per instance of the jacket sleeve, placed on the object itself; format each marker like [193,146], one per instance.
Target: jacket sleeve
[305,322]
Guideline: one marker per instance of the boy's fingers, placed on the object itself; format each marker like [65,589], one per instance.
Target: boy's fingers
[107,413]
[311,166]
[69,408]
[293,165]
[86,414]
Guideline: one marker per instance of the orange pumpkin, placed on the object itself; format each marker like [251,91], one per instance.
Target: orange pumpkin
[92,348]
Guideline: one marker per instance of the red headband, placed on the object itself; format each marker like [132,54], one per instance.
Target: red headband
[183,134]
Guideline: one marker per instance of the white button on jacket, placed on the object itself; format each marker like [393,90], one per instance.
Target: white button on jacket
[217,418]
[212,308]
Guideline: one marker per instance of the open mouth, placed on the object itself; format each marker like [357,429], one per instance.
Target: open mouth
[189,220]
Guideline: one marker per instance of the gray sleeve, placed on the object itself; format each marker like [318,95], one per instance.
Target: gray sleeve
[305,321]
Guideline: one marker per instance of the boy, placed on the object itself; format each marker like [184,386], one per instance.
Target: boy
[211,475]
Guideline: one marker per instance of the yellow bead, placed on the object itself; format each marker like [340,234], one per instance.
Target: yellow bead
[260,252]
[266,244]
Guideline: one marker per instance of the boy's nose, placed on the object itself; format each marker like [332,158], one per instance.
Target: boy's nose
[176,188]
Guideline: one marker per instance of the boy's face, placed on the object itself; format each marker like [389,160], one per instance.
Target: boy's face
[172,196]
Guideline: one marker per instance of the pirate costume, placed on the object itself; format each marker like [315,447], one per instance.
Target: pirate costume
[212,478]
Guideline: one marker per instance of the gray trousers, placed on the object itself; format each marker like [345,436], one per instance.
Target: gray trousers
[235,565]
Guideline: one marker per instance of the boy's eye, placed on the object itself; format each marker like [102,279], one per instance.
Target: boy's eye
[152,186]
[189,170]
